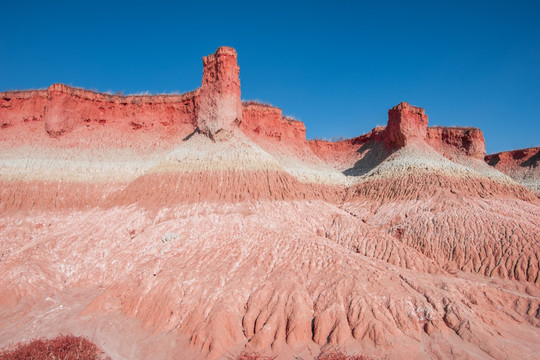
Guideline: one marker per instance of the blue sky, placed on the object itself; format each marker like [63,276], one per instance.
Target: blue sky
[338,66]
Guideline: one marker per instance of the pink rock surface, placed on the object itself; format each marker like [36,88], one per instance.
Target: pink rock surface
[120,222]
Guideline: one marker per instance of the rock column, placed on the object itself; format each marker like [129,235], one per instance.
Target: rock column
[220,104]
[406,124]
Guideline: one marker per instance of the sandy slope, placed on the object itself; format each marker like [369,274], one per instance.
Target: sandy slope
[220,276]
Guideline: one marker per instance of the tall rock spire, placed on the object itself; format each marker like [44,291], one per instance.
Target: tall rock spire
[220,104]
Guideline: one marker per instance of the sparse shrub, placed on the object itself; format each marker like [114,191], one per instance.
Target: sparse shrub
[338,355]
[290,118]
[64,347]
[327,355]
[141,93]
[256,102]
[338,138]
[252,356]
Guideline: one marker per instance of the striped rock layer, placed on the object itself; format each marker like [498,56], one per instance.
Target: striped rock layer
[197,226]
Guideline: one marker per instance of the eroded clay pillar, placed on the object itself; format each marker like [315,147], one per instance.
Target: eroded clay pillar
[220,104]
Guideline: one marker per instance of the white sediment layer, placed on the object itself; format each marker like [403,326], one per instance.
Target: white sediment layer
[421,159]
[199,153]
[31,163]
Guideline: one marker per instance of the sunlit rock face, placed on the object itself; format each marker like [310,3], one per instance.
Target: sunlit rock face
[406,124]
[196,226]
[220,104]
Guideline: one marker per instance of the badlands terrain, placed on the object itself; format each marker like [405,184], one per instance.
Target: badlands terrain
[197,226]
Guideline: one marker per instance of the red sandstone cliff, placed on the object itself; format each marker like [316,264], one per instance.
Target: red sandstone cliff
[215,107]
[64,108]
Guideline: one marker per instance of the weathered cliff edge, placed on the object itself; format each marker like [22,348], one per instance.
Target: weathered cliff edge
[196,226]
[61,109]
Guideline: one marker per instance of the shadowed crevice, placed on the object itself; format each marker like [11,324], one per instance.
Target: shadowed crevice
[373,153]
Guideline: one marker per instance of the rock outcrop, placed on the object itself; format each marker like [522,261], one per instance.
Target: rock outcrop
[521,165]
[67,112]
[220,103]
[267,122]
[121,222]
[455,141]
[406,124]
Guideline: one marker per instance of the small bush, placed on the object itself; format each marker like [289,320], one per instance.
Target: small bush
[64,347]
[252,356]
[327,355]
[290,118]
[256,102]
[338,355]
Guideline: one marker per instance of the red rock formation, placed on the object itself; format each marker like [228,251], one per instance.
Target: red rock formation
[406,124]
[264,121]
[507,160]
[220,104]
[120,222]
[453,141]
[521,165]
[61,109]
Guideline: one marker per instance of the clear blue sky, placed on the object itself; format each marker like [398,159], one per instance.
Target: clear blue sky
[336,65]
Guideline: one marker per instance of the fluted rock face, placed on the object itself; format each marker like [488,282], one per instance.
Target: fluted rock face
[120,222]
[220,104]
